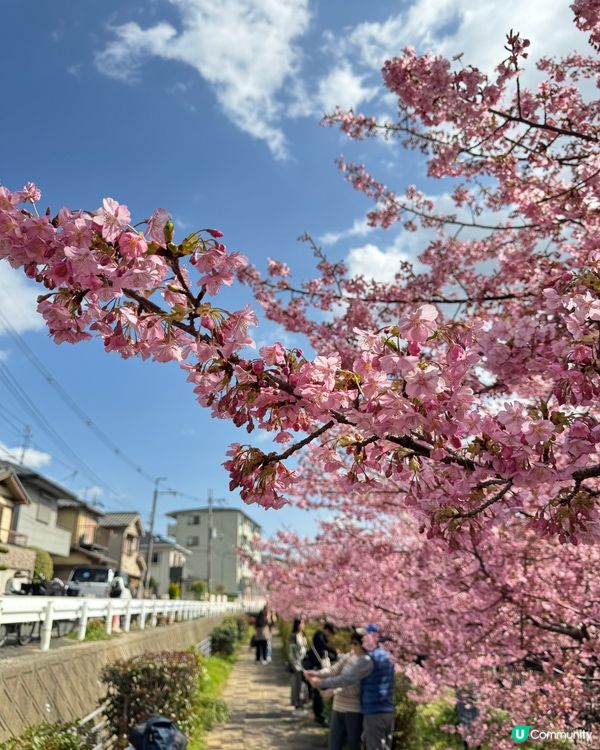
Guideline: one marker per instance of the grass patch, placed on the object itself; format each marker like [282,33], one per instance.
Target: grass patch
[95,631]
[211,708]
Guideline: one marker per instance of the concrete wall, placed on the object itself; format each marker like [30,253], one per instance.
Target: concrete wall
[63,684]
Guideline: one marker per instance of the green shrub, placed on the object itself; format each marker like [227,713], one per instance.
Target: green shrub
[199,589]
[224,637]
[212,711]
[242,628]
[174,591]
[285,630]
[95,630]
[43,565]
[162,683]
[405,713]
[238,625]
[63,736]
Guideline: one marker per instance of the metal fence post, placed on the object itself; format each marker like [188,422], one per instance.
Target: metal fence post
[83,621]
[108,625]
[46,630]
[127,623]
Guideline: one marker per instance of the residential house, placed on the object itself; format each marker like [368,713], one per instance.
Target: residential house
[37,520]
[124,533]
[226,560]
[168,563]
[15,558]
[89,541]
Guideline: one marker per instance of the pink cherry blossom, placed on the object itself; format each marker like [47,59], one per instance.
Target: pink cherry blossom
[112,217]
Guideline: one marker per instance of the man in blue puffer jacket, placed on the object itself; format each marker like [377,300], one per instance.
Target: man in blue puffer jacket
[375,671]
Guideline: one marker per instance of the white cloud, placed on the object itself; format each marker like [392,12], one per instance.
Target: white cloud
[245,49]
[372,262]
[18,301]
[449,27]
[343,88]
[359,228]
[31,457]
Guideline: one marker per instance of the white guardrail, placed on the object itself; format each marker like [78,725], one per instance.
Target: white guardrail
[50,610]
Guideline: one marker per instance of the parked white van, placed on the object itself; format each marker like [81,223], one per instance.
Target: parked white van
[90,580]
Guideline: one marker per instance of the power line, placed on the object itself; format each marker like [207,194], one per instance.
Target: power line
[36,362]
[69,401]
[22,397]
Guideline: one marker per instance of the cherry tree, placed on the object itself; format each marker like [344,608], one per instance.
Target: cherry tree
[513,620]
[408,387]
[459,401]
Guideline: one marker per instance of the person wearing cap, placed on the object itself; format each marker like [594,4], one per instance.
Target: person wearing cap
[375,672]
[320,656]
[345,728]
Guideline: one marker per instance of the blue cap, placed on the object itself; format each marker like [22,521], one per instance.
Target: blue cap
[372,628]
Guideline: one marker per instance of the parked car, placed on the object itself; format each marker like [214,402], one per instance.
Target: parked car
[90,580]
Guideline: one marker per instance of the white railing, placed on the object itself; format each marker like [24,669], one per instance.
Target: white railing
[48,610]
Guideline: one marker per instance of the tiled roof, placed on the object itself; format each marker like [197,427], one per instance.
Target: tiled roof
[29,475]
[117,520]
[79,504]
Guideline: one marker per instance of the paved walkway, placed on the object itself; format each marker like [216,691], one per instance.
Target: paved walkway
[261,715]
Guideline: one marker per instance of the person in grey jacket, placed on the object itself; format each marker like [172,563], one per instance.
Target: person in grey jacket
[345,726]
[296,652]
[375,672]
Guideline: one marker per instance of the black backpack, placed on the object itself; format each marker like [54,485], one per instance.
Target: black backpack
[157,733]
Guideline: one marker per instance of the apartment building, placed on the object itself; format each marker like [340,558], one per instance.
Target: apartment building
[221,554]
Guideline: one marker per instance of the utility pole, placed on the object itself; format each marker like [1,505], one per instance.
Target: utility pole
[211,535]
[26,438]
[209,546]
[150,547]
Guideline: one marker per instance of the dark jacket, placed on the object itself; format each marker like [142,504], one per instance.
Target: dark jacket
[322,647]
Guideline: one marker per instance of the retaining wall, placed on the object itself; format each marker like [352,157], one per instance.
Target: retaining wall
[63,684]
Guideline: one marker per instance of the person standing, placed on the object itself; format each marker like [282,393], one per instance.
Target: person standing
[271,622]
[321,655]
[261,635]
[375,672]
[345,729]
[118,590]
[297,648]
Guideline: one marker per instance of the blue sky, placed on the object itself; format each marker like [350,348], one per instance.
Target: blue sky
[212,111]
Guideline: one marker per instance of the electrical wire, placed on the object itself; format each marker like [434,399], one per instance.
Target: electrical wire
[12,385]
[78,411]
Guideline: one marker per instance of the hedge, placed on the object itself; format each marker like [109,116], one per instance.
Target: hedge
[60,736]
[165,683]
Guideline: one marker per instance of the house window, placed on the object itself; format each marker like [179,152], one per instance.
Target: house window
[43,513]
[194,520]
[192,541]
[156,557]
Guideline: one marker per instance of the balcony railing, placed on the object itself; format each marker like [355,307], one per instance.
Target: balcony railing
[12,537]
